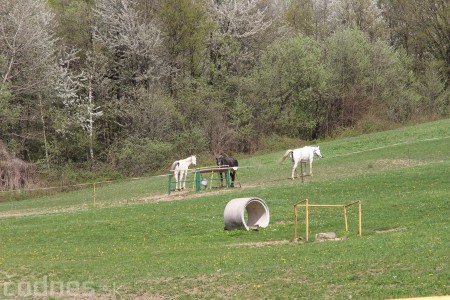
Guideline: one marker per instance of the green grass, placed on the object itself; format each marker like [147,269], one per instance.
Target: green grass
[129,247]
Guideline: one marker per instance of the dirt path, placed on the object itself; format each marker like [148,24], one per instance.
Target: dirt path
[174,196]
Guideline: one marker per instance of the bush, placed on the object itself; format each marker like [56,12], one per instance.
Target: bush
[136,157]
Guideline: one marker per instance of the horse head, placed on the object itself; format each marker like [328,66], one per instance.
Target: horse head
[317,152]
[194,160]
[220,160]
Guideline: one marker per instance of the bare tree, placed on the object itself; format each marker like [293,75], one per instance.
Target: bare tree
[27,45]
[14,172]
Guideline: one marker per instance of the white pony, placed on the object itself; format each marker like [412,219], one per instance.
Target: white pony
[180,169]
[301,155]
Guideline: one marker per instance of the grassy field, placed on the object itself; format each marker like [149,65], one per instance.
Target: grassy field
[140,243]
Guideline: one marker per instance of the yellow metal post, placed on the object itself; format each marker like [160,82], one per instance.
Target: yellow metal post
[94,195]
[345,218]
[360,217]
[295,223]
[307,219]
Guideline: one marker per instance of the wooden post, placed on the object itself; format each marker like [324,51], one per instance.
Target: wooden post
[94,195]
[197,179]
[345,218]
[307,219]
[359,218]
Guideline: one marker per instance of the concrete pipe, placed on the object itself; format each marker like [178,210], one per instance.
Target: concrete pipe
[257,214]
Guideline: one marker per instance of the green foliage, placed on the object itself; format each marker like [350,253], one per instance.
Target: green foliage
[288,87]
[186,28]
[369,77]
[190,141]
[7,111]
[433,91]
[136,157]
[74,23]
[300,15]
[213,76]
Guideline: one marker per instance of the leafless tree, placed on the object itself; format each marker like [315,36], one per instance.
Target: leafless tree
[14,172]
[27,44]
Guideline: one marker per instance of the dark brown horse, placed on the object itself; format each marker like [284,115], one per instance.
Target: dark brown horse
[230,162]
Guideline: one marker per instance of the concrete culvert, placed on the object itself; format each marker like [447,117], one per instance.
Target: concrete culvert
[257,214]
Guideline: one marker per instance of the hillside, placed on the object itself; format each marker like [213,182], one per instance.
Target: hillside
[138,243]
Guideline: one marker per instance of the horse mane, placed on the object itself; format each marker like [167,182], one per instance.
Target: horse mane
[286,154]
[227,160]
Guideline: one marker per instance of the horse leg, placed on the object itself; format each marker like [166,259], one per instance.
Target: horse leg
[183,179]
[176,174]
[310,168]
[221,179]
[294,168]
[233,175]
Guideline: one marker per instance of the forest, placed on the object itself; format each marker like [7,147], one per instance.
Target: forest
[128,86]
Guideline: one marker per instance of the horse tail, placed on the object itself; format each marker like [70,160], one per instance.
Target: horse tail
[174,165]
[286,154]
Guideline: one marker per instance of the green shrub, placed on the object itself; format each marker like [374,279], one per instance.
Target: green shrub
[141,156]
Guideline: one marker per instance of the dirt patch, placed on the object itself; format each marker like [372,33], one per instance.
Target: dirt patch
[261,244]
[397,229]
[175,196]
[398,162]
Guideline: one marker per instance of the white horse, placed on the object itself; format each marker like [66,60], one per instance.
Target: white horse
[180,169]
[301,155]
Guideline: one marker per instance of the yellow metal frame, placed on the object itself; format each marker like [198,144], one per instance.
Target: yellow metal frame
[306,204]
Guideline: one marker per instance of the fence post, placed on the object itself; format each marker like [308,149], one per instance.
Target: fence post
[295,223]
[197,180]
[307,219]
[360,217]
[345,218]
[169,187]
[94,196]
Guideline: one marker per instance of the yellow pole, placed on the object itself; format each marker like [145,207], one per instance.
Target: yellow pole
[295,223]
[360,217]
[345,218]
[307,219]
[94,195]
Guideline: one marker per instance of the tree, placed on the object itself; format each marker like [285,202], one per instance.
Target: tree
[129,51]
[134,43]
[240,19]
[300,16]
[367,77]
[14,172]
[185,28]
[76,99]
[74,19]
[238,26]
[361,14]
[288,86]
[27,46]
[420,27]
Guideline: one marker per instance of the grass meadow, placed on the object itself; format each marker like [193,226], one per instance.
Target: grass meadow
[140,243]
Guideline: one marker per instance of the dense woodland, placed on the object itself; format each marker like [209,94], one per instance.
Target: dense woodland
[130,85]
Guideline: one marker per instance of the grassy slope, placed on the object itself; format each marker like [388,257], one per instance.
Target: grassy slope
[179,248]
